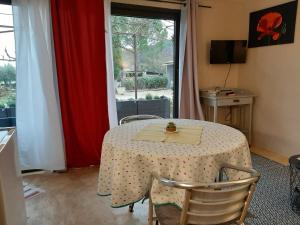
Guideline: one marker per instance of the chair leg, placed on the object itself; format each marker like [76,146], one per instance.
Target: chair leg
[131,208]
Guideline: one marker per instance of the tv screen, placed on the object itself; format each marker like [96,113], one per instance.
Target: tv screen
[225,52]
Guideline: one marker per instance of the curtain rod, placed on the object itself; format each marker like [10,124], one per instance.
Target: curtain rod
[179,3]
[168,1]
[205,6]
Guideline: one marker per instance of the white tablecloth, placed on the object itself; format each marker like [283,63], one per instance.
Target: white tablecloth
[126,164]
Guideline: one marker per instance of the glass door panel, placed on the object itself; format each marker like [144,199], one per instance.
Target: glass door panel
[143,51]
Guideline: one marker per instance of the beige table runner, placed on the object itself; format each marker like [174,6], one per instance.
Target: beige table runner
[185,134]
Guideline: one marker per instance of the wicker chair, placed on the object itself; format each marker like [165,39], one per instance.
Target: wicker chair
[224,202]
[129,119]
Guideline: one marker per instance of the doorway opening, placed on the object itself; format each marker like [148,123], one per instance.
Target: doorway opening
[145,53]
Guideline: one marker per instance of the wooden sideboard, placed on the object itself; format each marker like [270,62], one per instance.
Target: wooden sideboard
[240,99]
[12,203]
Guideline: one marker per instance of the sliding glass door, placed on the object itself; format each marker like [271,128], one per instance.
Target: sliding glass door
[145,61]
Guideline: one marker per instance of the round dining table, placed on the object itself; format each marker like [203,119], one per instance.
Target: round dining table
[127,164]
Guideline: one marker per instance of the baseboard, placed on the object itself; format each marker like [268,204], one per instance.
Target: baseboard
[274,156]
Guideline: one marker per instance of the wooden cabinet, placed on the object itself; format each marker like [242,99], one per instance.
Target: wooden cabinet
[12,203]
[234,99]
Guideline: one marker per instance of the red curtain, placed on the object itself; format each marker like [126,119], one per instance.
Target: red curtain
[79,41]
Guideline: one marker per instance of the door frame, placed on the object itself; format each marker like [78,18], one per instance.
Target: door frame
[120,9]
[5,2]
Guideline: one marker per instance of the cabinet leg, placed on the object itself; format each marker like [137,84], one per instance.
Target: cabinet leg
[215,114]
[250,124]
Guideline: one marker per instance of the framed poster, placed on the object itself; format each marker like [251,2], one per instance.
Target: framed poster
[273,26]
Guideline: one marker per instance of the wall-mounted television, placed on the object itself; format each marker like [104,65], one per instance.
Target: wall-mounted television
[228,51]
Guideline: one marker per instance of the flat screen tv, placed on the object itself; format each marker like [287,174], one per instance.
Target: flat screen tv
[228,51]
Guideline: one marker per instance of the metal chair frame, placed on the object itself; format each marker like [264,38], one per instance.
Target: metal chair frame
[200,197]
[129,119]
[132,118]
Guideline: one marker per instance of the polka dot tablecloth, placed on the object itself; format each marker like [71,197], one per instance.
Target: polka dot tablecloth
[126,165]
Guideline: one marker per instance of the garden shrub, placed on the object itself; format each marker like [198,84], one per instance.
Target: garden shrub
[11,102]
[128,83]
[141,83]
[149,96]
[149,82]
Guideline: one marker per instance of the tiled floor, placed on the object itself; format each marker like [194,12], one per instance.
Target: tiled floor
[70,199]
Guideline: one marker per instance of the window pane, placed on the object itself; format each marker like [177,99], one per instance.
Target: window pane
[6,15]
[143,65]
[7,68]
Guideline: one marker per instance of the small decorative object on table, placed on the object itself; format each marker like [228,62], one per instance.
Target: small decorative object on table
[295,183]
[171,127]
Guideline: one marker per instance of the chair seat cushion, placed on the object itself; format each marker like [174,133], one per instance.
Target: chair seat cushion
[168,214]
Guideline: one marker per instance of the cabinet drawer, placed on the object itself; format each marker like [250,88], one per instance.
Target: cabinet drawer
[234,101]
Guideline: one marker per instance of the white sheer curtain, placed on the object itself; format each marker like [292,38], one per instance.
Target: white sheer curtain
[112,108]
[39,128]
[189,101]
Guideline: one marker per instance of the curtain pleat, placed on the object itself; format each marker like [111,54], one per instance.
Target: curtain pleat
[79,38]
[189,105]
[39,126]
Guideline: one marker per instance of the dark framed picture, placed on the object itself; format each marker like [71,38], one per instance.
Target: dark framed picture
[273,26]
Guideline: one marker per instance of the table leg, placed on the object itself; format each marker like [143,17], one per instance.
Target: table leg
[131,207]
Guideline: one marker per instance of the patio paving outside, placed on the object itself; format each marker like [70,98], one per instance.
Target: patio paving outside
[142,94]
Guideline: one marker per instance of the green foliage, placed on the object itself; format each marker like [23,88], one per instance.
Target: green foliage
[7,96]
[11,101]
[155,82]
[153,47]
[7,74]
[156,97]
[128,83]
[2,106]
[117,57]
[148,96]
[148,31]
[150,82]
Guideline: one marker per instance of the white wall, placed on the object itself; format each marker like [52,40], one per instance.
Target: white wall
[225,20]
[273,74]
